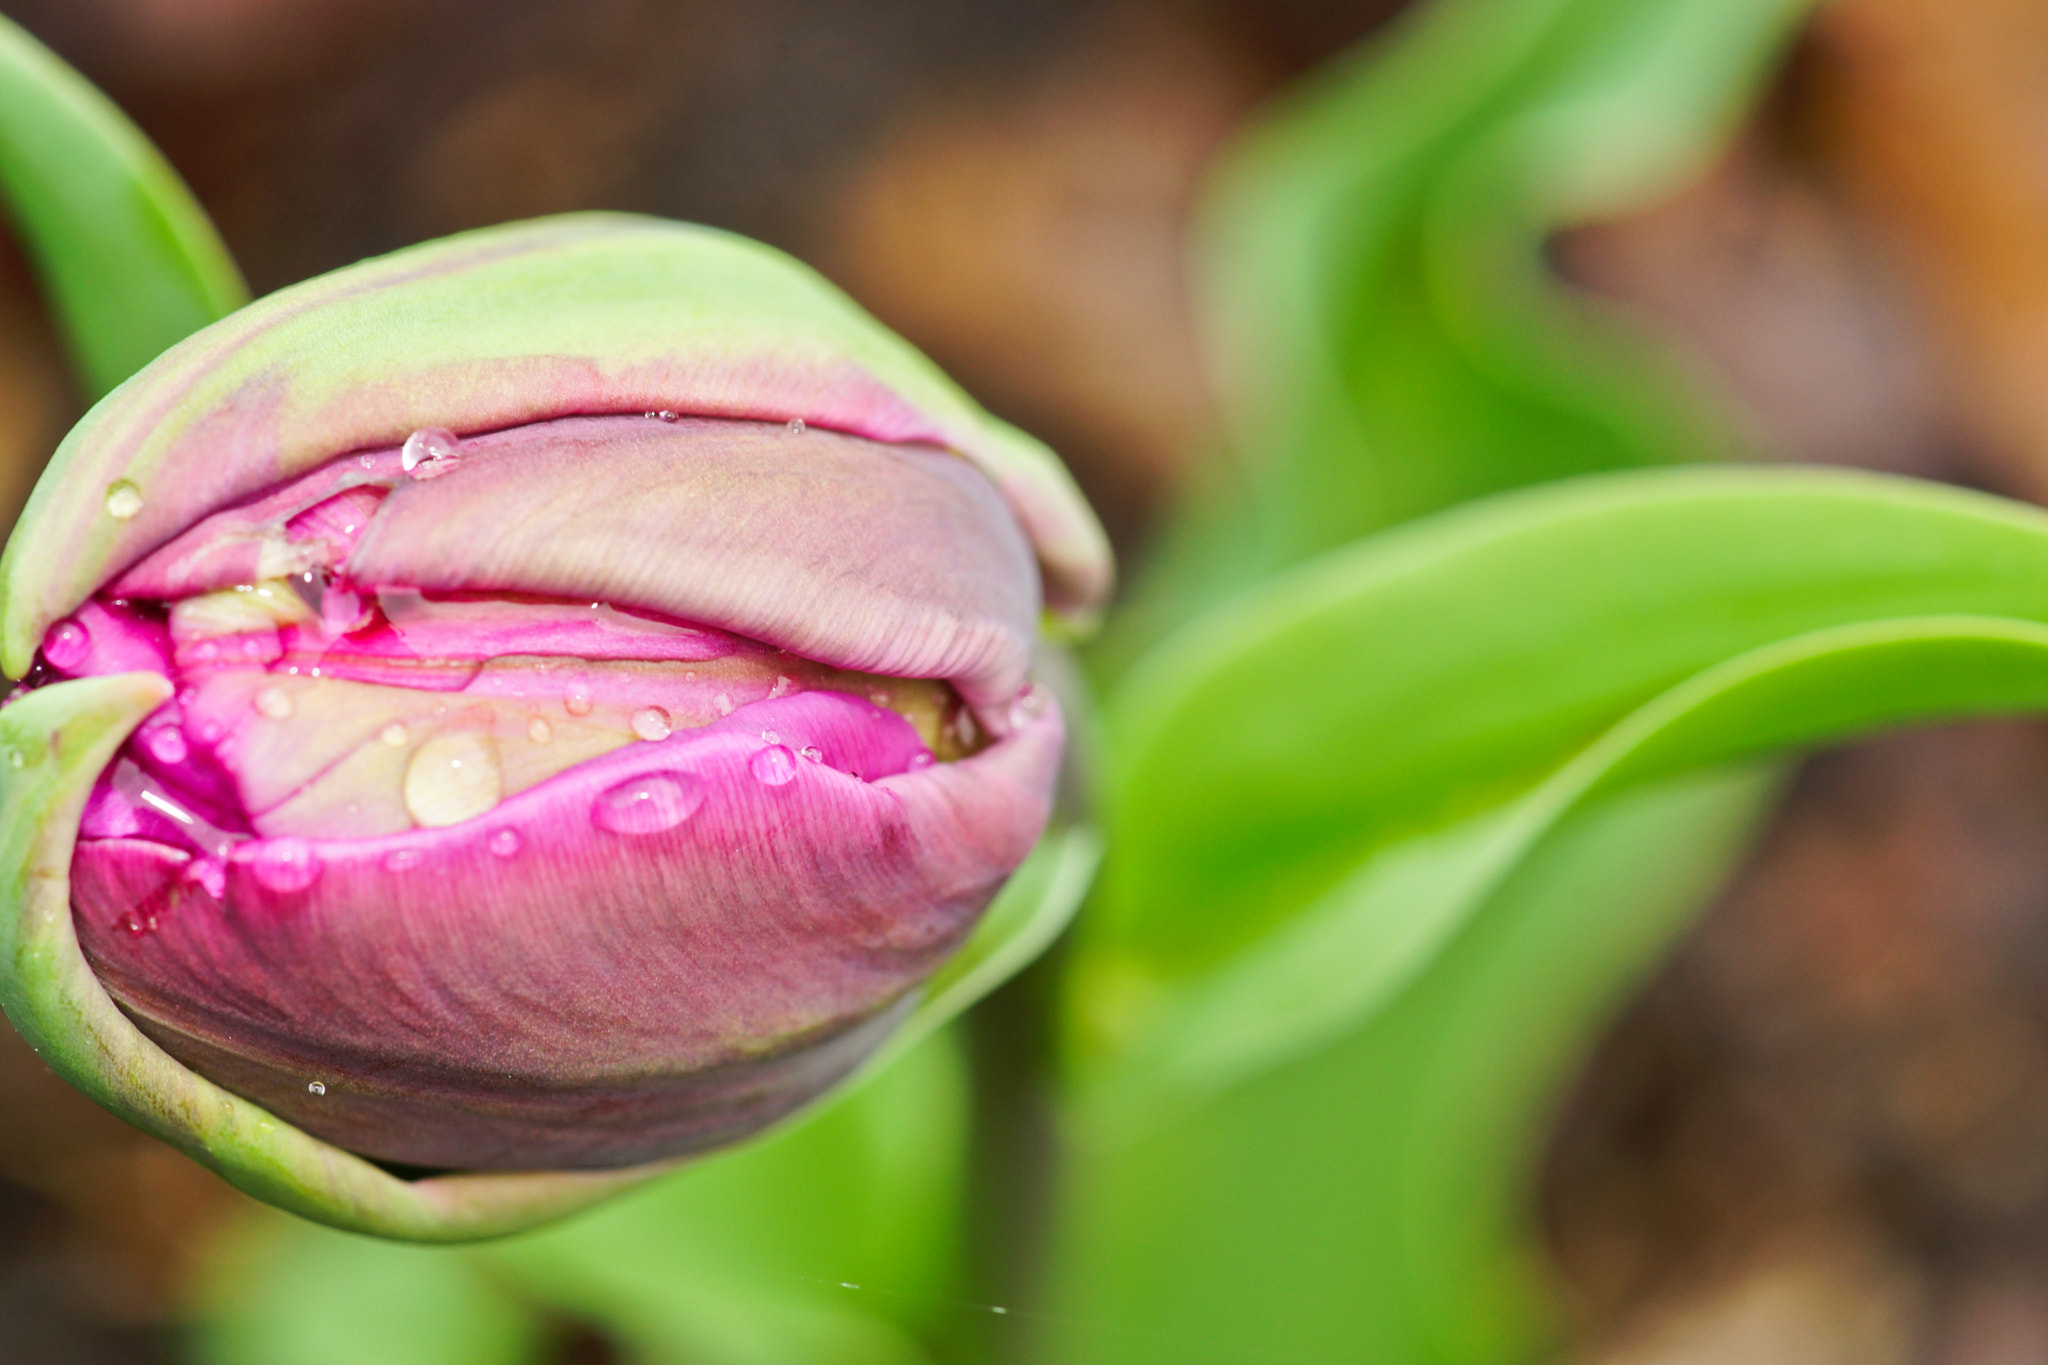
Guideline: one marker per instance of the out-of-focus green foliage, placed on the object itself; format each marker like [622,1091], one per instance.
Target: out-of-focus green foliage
[1386,333]
[741,1260]
[128,258]
[1349,946]
[1307,1083]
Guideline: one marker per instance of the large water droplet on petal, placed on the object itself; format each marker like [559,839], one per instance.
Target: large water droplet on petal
[795,426]
[285,864]
[124,500]
[577,701]
[651,722]
[66,645]
[773,765]
[453,777]
[430,452]
[648,804]
[505,843]
[539,731]
[274,703]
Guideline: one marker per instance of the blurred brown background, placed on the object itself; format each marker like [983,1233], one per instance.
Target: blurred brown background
[1822,1133]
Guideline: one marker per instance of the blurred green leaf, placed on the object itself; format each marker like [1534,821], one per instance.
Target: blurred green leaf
[128,259]
[281,1292]
[736,1260]
[1437,874]
[1386,334]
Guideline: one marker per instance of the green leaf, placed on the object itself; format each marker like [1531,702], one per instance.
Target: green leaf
[1386,334]
[745,1258]
[127,256]
[1318,1138]
[1262,758]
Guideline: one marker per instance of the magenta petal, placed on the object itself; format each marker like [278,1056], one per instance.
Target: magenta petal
[655,952]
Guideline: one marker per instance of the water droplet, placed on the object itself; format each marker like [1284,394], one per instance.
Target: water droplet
[998,1308]
[395,734]
[505,843]
[663,415]
[430,452]
[66,645]
[317,1087]
[403,859]
[273,703]
[770,737]
[124,500]
[577,702]
[723,703]
[811,753]
[922,759]
[795,426]
[879,696]
[166,744]
[782,686]
[651,722]
[773,766]
[285,864]
[1027,706]
[453,777]
[539,731]
[966,729]
[648,804]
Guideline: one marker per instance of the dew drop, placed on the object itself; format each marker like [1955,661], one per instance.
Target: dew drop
[395,735]
[124,500]
[795,426]
[539,731]
[770,737]
[317,1087]
[663,415]
[648,804]
[430,452]
[66,645]
[453,777]
[1027,706]
[166,744]
[285,864]
[773,766]
[922,759]
[273,703]
[811,753]
[505,843]
[403,859]
[651,722]
[577,702]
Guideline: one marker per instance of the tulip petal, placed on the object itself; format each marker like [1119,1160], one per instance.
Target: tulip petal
[562,982]
[65,734]
[898,560]
[588,314]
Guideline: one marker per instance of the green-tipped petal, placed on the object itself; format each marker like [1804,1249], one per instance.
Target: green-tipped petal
[585,314]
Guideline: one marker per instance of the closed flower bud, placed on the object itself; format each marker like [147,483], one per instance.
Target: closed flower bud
[569,686]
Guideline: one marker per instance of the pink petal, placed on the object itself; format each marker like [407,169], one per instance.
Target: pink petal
[654,952]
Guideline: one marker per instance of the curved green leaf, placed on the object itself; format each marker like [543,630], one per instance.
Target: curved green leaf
[1386,334]
[1317,1137]
[128,257]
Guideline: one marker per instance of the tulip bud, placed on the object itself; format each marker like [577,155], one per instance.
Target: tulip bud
[582,673]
